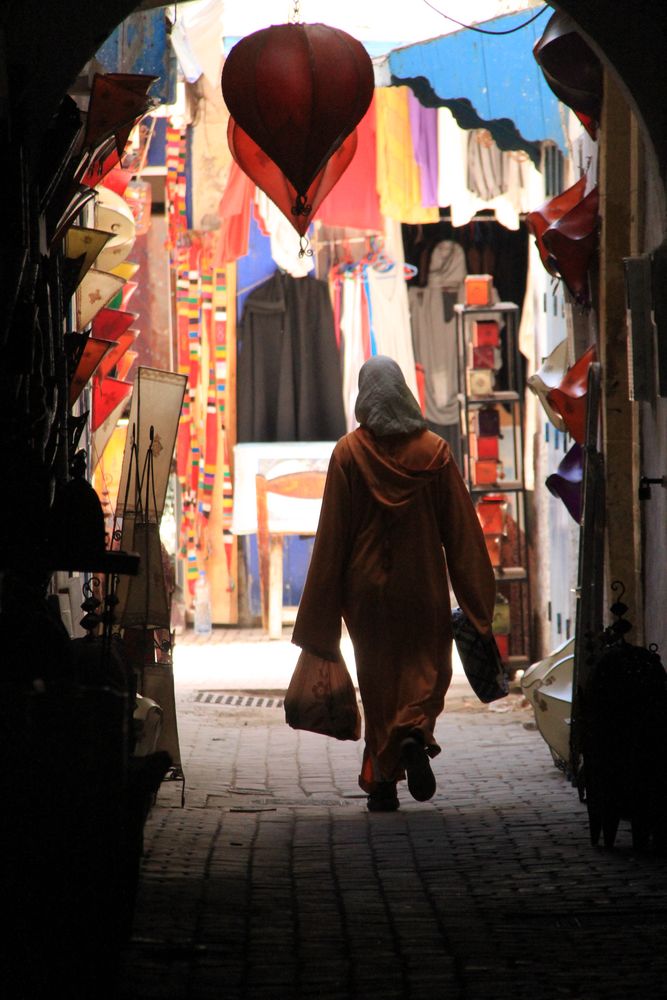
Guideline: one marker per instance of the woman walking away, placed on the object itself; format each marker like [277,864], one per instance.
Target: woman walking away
[393,499]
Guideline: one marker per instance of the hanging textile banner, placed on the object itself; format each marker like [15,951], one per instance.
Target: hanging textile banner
[203,451]
[93,354]
[109,395]
[103,434]
[204,287]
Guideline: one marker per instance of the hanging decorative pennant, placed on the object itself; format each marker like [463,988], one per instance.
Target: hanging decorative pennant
[122,298]
[109,324]
[126,269]
[123,343]
[124,364]
[65,210]
[89,362]
[108,395]
[117,180]
[84,245]
[116,101]
[96,290]
[103,434]
[156,406]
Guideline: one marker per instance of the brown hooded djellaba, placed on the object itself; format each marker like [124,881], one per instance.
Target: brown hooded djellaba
[396,516]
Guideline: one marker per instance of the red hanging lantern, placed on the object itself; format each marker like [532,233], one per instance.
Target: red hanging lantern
[261,169]
[572,69]
[551,211]
[572,242]
[295,93]
[569,398]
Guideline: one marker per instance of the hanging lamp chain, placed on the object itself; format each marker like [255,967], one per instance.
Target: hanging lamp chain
[296,12]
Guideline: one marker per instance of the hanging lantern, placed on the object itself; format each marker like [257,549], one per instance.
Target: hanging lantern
[295,93]
[572,242]
[539,220]
[549,375]
[572,69]
[569,398]
[266,175]
[566,482]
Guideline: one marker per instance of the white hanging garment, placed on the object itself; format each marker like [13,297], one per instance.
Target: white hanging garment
[391,320]
[284,238]
[352,344]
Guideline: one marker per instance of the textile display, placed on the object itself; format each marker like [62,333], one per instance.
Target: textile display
[288,370]
[424,131]
[473,174]
[391,320]
[354,201]
[203,446]
[204,285]
[398,176]
[434,330]
[234,212]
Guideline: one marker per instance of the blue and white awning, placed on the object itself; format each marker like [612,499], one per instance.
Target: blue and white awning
[487,81]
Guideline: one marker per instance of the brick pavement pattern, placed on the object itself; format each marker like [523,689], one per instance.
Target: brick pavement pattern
[275,883]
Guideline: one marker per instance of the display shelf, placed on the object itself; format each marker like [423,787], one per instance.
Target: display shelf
[493,446]
[509,486]
[510,574]
[502,396]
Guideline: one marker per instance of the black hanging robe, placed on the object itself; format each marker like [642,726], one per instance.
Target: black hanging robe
[288,368]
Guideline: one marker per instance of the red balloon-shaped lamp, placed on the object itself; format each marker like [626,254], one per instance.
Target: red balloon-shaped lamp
[295,93]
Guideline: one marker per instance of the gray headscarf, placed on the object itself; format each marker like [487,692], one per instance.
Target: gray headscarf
[385,404]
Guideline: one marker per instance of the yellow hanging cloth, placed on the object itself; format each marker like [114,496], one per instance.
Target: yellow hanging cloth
[398,181]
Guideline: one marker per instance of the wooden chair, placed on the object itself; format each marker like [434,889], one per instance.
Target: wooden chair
[304,485]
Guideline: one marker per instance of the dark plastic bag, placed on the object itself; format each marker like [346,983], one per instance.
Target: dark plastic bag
[480,659]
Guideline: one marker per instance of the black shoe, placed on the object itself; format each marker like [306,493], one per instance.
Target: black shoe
[415,760]
[383,798]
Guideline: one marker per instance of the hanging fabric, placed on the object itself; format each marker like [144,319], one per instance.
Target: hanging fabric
[288,372]
[398,179]
[391,319]
[434,330]
[354,201]
[424,131]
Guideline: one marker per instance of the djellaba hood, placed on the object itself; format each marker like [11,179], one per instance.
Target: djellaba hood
[396,455]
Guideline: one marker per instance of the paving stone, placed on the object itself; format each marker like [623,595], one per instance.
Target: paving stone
[491,890]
